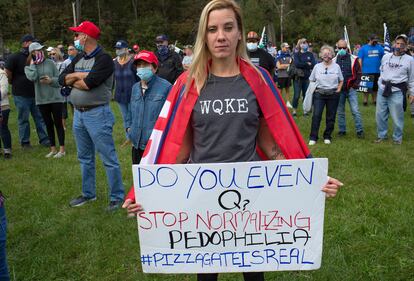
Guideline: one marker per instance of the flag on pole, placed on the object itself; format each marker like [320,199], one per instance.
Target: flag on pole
[263,39]
[387,41]
[346,37]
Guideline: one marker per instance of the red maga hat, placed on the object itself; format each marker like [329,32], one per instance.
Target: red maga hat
[147,56]
[89,28]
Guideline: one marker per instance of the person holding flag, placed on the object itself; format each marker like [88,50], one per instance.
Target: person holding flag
[259,126]
[397,76]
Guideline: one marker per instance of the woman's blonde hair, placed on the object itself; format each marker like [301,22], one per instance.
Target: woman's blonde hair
[59,55]
[200,66]
[300,42]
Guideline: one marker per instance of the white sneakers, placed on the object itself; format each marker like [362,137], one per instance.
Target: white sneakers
[288,104]
[51,154]
[312,142]
[55,154]
[59,154]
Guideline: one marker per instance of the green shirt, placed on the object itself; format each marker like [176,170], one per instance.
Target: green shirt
[44,93]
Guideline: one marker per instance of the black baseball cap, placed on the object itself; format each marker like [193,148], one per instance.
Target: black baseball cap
[27,38]
[120,44]
[373,37]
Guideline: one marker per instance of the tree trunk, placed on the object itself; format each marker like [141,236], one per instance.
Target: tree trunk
[342,8]
[99,14]
[135,8]
[29,11]
[78,11]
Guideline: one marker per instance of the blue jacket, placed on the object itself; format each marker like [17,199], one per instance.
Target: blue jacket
[145,109]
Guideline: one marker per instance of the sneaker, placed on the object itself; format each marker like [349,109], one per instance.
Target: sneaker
[365,103]
[397,142]
[379,140]
[7,155]
[360,135]
[312,142]
[81,200]
[294,113]
[113,206]
[51,154]
[289,105]
[59,154]
[341,134]
[327,141]
[306,114]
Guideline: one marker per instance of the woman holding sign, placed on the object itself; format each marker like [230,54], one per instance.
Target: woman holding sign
[224,109]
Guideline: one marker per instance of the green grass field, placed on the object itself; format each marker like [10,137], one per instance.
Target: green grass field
[369,233]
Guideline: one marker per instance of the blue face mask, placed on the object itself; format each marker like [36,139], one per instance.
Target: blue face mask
[145,73]
[78,45]
[342,52]
[162,50]
[305,47]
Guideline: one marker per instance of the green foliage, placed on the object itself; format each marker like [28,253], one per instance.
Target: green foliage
[316,20]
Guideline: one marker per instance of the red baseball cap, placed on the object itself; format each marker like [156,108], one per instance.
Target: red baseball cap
[147,56]
[89,28]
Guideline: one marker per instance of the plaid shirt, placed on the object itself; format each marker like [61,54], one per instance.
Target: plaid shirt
[125,78]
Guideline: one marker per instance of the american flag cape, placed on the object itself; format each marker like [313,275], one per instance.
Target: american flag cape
[168,133]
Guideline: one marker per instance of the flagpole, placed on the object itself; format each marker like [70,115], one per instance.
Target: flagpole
[346,37]
[261,39]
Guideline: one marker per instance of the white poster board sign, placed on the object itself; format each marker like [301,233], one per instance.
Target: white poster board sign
[250,216]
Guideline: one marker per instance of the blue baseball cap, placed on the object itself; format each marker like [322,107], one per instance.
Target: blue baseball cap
[27,38]
[121,44]
[161,38]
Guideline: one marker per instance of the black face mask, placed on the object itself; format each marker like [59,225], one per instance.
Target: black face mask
[34,57]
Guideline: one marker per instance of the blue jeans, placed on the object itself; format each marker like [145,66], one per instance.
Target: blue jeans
[4,272]
[351,94]
[5,132]
[392,105]
[319,103]
[93,130]
[126,114]
[299,85]
[25,106]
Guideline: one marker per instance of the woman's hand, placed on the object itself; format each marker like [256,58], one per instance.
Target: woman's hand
[132,207]
[45,80]
[331,187]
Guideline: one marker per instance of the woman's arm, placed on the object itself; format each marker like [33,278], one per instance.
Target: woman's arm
[186,147]
[266,142]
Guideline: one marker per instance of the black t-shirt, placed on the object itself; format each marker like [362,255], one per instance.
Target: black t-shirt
[21,86]
[225,122]
[262,58]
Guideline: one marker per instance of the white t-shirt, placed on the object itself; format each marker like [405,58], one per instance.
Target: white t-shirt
[327,77]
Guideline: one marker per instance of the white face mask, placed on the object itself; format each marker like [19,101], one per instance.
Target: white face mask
[120,52]
[252,47]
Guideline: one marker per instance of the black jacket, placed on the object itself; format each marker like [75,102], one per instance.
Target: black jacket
[171,67]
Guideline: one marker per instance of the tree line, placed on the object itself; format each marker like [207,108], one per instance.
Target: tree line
[139,21]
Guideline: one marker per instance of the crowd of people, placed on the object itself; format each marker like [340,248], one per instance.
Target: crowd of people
[220,66]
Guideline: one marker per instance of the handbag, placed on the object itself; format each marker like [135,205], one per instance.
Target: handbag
[307,102]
